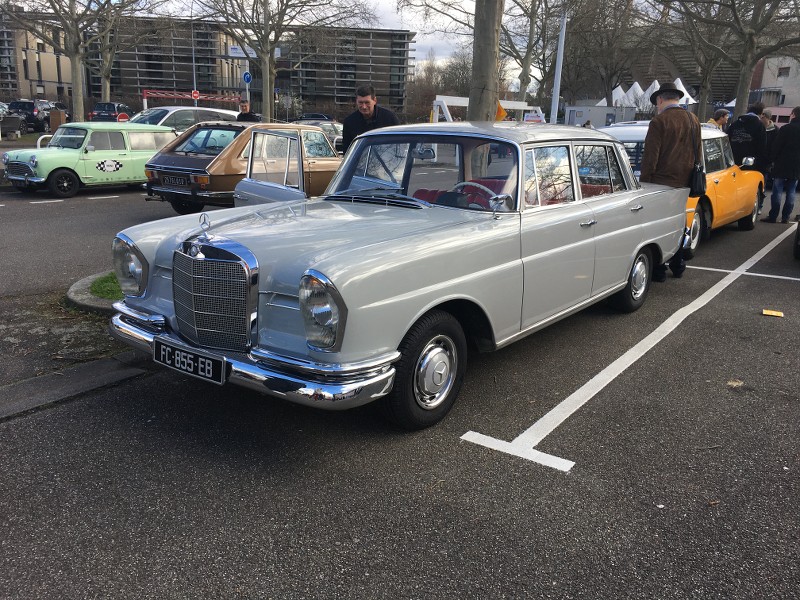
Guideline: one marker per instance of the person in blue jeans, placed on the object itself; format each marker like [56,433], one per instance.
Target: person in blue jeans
[785,169]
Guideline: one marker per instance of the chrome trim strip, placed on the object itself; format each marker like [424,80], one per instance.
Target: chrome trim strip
[190,192]
[355,390]
[26,179]
[558,316]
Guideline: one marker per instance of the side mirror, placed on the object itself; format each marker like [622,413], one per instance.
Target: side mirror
[89,149]
[423,153]
[748,161]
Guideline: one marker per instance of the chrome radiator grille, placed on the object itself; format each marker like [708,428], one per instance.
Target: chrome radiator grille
[19,169]
[211,297]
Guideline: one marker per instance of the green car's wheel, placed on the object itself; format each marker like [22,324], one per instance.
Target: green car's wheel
[63,183]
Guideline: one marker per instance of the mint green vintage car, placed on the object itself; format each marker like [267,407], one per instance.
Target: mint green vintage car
[86,155]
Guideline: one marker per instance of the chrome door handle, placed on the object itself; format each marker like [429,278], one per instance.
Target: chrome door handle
[588,223]
[636,208]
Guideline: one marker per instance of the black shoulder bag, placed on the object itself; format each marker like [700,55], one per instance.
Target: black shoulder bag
[697,179]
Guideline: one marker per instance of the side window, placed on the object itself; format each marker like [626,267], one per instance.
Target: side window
[554,174]
[163,138]
[529,181]
[617,178]
[712,152]
[100,140]
[142,140]
[274,159]
[635,151]
[316,145]
[593,170]
[727,152]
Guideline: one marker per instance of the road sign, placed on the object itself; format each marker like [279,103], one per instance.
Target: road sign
[195,95]
[247,77]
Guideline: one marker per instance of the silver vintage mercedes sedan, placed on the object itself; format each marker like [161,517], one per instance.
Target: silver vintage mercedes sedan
[430,239]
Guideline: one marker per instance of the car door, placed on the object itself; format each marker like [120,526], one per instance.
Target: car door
[108,159]
[721,185]
[617,211]
[320,161]
[274,169]
[557,237]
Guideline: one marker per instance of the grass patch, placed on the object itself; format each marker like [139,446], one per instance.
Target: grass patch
[106,287]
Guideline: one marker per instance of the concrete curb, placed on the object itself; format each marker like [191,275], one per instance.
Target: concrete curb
[80,296]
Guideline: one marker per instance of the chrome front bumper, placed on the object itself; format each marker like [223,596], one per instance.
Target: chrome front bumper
[331,389]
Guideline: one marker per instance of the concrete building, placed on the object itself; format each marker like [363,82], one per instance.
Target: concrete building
[318,68]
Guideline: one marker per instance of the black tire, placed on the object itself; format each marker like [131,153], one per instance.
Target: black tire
[45,127]
[63,183]
[748,223]
[183,207]
[23,127]
[700,230]
[429,373]
[640,277]
[797,242]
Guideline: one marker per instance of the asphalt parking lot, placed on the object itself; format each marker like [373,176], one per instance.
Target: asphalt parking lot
[650,455]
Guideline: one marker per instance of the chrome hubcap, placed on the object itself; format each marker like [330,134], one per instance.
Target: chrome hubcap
[639,277]
[694,232]
[434,372]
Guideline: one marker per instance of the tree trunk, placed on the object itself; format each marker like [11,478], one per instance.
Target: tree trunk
[485,89]
[76,70]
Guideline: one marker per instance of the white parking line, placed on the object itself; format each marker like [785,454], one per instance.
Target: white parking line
[524,444]
[101,197]
[45,201]
[744,273]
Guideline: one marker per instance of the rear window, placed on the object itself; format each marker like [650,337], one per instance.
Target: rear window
[208,140]
[21,106]
[104,106]
[151,116]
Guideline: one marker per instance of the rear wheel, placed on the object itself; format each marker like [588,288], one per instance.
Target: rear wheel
[23,127]
[700,230]
[634,294]
[429,373]
[63,183]
[749,222]
[45,126]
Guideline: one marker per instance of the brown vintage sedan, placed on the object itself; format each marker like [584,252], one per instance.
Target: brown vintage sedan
[204,164]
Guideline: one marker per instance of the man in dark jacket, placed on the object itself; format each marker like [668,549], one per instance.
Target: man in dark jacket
[671,147]
[369,116]
[245,114]
[785,168]
[749,137]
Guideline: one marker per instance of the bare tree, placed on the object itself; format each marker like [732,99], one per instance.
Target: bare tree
[485,89]
[70,27]
[755,29]
[262,24]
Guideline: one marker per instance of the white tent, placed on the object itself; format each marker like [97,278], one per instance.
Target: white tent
[651,88]
[617,96]
[686,99]
[633,96]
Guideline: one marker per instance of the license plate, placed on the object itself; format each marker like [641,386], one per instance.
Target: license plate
[172,180]
[202,366]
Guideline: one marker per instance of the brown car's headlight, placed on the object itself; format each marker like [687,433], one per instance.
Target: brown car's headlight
[130,266]
[323,311]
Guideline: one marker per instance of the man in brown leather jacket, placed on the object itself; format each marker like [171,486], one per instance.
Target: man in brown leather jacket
[671,147]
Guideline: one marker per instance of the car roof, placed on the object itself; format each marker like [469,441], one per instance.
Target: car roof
[172,109]
[508,130]
[635,131]
[116,126]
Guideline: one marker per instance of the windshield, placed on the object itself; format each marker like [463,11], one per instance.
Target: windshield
[151,116]
[208,140]
[458,172]
[67,137]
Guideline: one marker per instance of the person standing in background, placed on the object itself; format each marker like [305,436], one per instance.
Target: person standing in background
[785,168]
[671,147]
[367,117]
[720,119]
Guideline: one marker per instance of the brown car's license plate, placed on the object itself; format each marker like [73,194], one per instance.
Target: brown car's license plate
[175,180]
[202,366]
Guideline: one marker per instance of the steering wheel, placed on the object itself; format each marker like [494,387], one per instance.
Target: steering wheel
[490,193]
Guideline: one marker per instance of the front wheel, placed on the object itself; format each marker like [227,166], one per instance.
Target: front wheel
[429,373]
[634,294]
[749,222]
[63,183]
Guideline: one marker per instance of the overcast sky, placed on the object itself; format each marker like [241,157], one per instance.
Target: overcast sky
[390,19]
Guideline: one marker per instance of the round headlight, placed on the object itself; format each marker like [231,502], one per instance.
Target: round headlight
[6,158]
[32,161]
[323,312]
[130,266]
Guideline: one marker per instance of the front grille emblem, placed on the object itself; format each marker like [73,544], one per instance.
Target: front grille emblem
[194,250]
